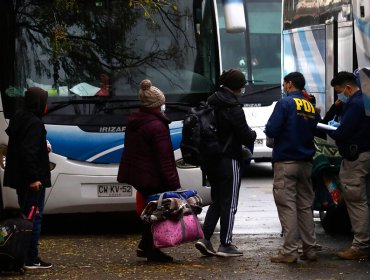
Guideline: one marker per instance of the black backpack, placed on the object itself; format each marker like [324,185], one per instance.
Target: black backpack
[199,135]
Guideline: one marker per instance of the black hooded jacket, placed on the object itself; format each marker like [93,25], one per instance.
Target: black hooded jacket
[27,158]
[231,121]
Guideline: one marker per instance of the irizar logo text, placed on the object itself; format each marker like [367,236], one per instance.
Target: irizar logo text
[106,129]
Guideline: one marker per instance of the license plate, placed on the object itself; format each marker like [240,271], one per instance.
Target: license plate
[114,190]
[258,142]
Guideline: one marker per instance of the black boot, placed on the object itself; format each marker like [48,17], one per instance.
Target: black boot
[153,255]
[157,255]
[146,242]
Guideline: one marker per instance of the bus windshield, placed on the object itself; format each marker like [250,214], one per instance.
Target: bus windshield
[256,52]
[90,55]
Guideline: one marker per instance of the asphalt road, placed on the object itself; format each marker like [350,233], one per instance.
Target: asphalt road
[103,246]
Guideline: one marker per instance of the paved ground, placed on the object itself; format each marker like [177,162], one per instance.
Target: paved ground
[103,247]
[256,209]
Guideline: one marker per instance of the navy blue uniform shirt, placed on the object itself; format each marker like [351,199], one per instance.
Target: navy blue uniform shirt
[292,124]
[354,128]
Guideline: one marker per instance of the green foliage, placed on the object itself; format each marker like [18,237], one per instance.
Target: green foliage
[151,7]
[67,5]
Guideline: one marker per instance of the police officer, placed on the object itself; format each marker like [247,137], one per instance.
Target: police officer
[292,125]
[352,138]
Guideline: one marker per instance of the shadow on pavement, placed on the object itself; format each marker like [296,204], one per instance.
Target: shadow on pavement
[94,224]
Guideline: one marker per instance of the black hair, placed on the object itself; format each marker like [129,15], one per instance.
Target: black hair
[233,79]
[343,78]
[297,80]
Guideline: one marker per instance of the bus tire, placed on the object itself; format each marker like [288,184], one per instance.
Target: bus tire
[336,220]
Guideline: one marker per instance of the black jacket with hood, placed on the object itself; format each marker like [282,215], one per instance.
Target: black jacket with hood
[231,122]
[27,158]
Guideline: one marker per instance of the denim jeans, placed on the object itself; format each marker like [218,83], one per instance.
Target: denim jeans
[27,199]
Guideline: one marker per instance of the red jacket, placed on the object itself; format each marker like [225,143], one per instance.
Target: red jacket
[148,162]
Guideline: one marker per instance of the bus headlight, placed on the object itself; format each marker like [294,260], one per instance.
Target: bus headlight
[3,151]
[52,165]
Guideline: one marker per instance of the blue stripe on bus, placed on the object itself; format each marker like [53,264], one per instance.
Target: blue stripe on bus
[363,26]
[75,144]
[309,57]
[318,35]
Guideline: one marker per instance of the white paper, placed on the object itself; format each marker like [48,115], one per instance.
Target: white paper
[63,91]
[325,126]
[84,89]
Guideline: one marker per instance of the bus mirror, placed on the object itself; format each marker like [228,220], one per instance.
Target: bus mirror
[234,16]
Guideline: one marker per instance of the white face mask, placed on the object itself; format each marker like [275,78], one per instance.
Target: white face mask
[242,91]
[163,108]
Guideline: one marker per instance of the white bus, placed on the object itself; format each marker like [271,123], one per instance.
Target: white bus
[90,55]
[257,53]
[322,38]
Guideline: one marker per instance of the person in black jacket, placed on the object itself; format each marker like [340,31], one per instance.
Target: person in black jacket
[352,139]
[224,172]
[27,164]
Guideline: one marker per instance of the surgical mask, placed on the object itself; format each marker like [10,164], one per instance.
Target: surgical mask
[163,108]
[242,91]
[342,97]
[283,94]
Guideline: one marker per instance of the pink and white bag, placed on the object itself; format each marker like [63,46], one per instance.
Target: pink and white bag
[169,233]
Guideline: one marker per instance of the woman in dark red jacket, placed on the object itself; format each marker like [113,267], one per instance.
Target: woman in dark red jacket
[148,162]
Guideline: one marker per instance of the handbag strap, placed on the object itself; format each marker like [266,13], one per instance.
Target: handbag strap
[183,232]
[160,201]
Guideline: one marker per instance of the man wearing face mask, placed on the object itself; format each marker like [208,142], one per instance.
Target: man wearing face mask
[292,124]
[224,172]
[352,138]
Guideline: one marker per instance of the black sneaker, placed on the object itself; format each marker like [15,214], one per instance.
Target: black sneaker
[37,264]
[157,255]
[205,247]
[229,251]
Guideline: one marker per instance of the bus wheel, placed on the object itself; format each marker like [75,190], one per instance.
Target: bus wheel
[336,220]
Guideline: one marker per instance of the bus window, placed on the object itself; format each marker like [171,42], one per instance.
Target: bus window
[90,56]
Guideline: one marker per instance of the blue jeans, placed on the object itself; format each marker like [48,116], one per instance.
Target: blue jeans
[27,199]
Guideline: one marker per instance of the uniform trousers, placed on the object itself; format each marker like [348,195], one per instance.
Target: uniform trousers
[355,179]
[294,195]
